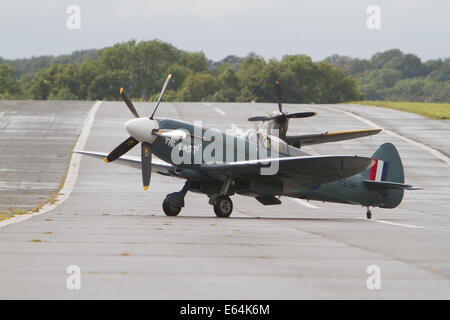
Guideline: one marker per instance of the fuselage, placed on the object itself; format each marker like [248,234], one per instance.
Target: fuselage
[196,150]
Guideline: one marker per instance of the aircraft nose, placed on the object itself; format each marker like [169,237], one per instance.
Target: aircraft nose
[141,129]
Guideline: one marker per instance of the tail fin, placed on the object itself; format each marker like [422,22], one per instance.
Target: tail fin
[388,167]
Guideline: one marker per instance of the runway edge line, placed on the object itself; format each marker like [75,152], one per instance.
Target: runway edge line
[421,145]
[72,172]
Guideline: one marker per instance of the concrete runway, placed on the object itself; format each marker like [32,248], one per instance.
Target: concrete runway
[127,248]
[35,140]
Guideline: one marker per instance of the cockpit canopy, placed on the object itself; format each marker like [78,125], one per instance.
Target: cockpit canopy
[270,142]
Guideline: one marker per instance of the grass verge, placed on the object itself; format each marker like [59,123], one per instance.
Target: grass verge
[426,109]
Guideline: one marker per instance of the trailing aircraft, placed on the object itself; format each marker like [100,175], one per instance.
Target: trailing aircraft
[279,121]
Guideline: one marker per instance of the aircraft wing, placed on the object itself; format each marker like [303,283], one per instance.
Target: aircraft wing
[304,171]
[134,162]
[309,139]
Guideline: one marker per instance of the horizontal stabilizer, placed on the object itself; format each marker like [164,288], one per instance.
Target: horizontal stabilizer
[268,200]
[390,185]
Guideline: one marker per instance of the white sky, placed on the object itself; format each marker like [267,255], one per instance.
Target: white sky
[270,28]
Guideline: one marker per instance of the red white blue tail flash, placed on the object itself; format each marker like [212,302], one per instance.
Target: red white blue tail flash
[379,170]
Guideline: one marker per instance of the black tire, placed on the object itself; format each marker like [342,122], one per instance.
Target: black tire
[223,206]
[170,210]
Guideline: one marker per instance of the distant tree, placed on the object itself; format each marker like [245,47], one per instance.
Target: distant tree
[358,66]
[86,72]
[63,93]
[68,79]
[342,62]
[379,59]
[374,82]
[436,92]
[432,65]
[409,65]
[303,85]
[179,74]
[118,56]
[44,82]
[250,76]
[198,86]
[107,85]
[8,83]
[232,60]
[442,74]
[228,82]
[196,61]
[25,83]
[334,86]
[148,66]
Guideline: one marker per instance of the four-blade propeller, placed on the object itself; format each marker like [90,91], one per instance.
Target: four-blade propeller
[145,131]
[282,115]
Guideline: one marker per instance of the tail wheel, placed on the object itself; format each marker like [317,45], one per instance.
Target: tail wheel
[369,214]
[169,209]
[223,206]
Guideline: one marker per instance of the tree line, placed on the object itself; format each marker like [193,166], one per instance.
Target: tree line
[396,76]
[141,68]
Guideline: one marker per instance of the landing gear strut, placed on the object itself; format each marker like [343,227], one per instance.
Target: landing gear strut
[369,213]
[223,206]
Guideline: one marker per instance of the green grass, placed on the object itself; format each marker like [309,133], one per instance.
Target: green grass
[11,212]
[429,110]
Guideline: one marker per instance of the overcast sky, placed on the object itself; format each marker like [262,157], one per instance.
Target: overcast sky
[270,28]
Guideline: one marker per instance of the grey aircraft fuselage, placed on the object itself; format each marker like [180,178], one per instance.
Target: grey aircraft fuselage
[350,190]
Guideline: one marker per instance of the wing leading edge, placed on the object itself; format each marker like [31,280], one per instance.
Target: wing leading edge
[310,139]
[130,161]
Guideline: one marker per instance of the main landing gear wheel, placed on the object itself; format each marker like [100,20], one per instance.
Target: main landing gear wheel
[369,214]
[169,209]
[223,206]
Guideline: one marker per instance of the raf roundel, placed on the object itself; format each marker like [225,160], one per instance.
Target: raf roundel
[379,170]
